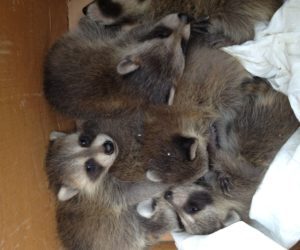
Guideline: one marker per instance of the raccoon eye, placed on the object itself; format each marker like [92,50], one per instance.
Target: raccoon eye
[108,147]
[85,141]
[192,208]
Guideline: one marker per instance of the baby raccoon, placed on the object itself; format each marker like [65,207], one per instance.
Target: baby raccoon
[211,88]
[87,76]
[262,126]
[203,209]
[93,211]
[233,18]
[120,145]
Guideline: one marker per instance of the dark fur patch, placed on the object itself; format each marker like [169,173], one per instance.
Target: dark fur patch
[109,8]
[93,169]
[180,224]
[228,128]
[197,201]
[184,144]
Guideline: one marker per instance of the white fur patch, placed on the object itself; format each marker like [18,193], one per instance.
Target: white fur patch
[65,193]
[55,134]
[145,208]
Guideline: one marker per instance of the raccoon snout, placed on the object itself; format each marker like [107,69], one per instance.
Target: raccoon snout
[168,195]
[185,18]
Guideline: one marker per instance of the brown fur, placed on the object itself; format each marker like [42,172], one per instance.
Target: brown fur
[233,18]
[263,125]
[210,89]
[91,72]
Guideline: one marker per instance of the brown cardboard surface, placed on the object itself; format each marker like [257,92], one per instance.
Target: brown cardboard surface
[75,11]
[27,29]
[164,246]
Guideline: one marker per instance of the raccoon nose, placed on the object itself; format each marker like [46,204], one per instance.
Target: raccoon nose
[185,18]
[168,195]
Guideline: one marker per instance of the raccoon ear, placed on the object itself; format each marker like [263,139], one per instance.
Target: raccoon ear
[92,11]
[231,218]
[152,176]
[146,208]
[65,193]
[128,65]
[55,135]
[188,144]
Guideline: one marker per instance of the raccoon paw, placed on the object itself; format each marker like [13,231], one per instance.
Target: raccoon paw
[225,183]
[201,25]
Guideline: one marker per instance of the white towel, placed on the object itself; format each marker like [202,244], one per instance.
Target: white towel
[235,237]
[275,52]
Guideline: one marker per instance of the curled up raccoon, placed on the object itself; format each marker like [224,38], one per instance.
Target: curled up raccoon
[88,76]
[235,19]
[92,211]
[263,125]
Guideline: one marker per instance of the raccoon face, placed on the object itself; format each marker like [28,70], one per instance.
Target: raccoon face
[199,210]
[116,12]
[80,161]
[156,57]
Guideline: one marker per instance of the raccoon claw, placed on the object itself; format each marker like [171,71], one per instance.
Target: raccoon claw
[225,183]
[201,25]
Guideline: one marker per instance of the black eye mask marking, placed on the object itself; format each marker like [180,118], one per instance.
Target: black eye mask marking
[184,144]
[109,8]
[93,169]
[85,141]
[184,45]
[197,201]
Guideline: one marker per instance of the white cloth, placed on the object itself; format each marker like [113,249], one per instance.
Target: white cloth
[273,54]
[276,204]
[235,237]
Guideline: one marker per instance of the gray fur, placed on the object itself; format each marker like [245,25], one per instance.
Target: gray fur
[234,19]
[95,72]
